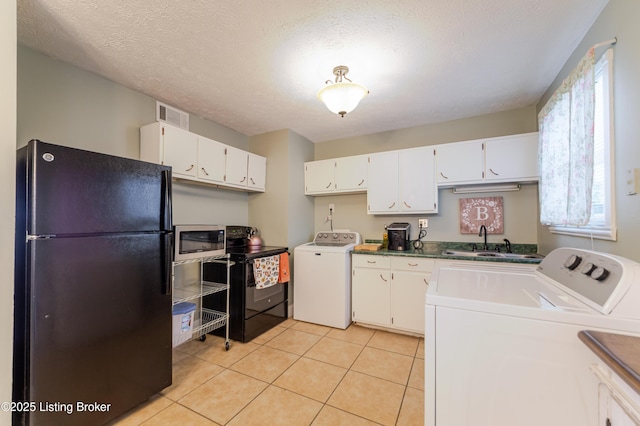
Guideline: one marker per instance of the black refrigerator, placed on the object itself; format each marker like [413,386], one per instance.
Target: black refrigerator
[92,333]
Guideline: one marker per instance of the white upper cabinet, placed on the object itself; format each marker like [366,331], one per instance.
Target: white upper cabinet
[236,167]
[345,175]
[502,159]
[418,190]
[319,177]
[245,170]
[382,191]
[402,182]
[211,161]
[512,158]
[460,162]
[170,146]
[196,158]
[257,172]
[351,173]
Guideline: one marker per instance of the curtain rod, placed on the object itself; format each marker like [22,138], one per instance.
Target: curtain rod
[606,43]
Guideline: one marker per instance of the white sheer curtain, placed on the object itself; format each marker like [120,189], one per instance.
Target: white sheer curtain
[566,148]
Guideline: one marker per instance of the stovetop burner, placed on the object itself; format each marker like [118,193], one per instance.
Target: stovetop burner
[253,252]
[238,248]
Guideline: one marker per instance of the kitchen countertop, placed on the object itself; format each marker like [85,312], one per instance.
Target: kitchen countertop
[619,352]
[434,249]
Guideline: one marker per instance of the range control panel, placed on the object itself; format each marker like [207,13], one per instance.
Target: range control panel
[336,238]
[591,275]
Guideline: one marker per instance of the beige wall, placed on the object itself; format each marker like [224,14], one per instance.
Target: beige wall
[283,213]
[7,194]
[521,208]
[618,19]
[65,105]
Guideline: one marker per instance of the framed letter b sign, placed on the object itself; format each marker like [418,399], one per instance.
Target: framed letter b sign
[487,211]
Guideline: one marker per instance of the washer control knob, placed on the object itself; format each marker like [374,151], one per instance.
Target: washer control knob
[323,235]
[335,236]
[599,274]
[351,236]
[588,268]
[572,262]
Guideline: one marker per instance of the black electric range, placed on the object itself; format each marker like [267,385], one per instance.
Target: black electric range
[252,311]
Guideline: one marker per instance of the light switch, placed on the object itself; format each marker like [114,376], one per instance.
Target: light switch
[632,180]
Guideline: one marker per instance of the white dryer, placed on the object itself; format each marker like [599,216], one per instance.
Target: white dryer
[502,346]
[322,279]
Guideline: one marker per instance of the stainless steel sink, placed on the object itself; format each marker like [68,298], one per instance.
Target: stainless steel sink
[465,253]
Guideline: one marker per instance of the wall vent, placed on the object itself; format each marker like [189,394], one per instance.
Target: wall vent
[171,115]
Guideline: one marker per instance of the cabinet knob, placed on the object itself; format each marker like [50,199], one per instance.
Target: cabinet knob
[361,182]
[252,181]
[190,168]
[382,278]
[243,179]
[494,173]
[204,171]
[327,187]
[446,177]
[391,206]
[407,205]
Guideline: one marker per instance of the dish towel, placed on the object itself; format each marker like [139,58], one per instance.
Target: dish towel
[283,276]
[265,271]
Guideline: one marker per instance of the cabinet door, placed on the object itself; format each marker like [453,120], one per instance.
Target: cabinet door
[418,190]
[351,174]
[257,170]
[180,151]
[382,189]
[211,160]
[236,167]
[408,291]
[512,158]
[319,177]
[370,295]
[459,162]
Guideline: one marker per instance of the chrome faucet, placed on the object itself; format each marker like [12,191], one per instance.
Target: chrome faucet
[486,246]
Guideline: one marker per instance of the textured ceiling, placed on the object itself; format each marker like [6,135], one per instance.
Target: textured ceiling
[256,66]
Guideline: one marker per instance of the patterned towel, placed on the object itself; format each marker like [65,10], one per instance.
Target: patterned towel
[266,270]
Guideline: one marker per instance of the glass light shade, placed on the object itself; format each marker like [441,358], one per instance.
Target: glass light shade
[342,98]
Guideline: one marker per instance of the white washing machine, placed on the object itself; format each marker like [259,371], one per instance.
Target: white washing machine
[322,279]
[501,344]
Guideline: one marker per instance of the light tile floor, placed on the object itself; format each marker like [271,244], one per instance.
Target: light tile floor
[295,374]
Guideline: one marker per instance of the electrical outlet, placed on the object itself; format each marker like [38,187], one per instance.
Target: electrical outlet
[423,223]
[332,207]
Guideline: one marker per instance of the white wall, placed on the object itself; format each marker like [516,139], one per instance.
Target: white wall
[7,193]
[618,19]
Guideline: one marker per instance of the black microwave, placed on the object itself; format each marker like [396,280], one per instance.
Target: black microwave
[198,241]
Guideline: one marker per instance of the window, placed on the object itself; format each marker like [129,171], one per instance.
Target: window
[602,223]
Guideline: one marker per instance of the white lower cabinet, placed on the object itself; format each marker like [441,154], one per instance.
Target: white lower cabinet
[389,291]
[370,289]
[409,282]
[618,404]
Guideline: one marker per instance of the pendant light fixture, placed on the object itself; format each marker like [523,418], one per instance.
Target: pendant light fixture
[342,97]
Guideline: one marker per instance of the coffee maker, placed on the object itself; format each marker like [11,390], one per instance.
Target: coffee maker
[399,234]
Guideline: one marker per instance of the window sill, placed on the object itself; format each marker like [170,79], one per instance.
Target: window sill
[596,233]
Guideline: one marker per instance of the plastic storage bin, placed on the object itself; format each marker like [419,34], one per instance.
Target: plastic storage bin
[182,322]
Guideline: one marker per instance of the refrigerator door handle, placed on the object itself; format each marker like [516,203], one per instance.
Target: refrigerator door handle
[166,200]
[167,254]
